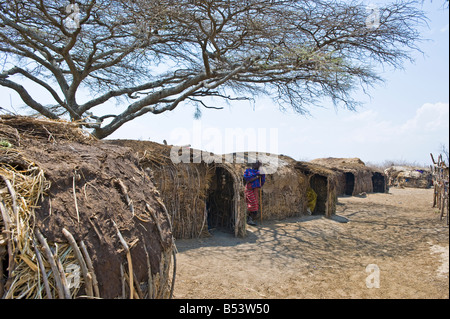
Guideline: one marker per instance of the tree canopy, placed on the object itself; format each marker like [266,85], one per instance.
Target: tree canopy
[159,54]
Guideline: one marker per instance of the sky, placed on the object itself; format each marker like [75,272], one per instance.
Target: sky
[404,119]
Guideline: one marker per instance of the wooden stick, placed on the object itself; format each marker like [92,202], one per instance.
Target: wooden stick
[174,271]
[64,282]
[125,193]
[152,214]
[122,277]
[137,288]
[130,263]
[75,196]
[95,229]
[165,212]
[91,269]
[51,260]
[135,293]
[42,268]
[79,255]
[149,268]
[7,222]
[14,200]
[260,199]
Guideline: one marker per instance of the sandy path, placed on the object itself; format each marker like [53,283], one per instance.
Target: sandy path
[315,257]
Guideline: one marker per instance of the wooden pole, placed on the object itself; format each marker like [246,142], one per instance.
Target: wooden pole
[62,293]
[260,199]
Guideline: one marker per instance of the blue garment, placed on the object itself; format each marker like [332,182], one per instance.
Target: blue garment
[251,173]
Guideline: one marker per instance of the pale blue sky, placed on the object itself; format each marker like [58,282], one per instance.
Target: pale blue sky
[405,119]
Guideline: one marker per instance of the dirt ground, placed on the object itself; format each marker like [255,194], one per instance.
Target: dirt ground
[314,257]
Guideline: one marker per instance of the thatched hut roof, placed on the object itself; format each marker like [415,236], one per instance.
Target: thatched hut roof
[341,163]
[74,206]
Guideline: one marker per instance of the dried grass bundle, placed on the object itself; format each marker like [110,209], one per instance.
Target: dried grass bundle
[52,130]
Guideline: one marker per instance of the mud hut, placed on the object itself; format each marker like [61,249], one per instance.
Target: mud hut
[199,196]
[409,176]
[288,183]
[79,218]
[284,193]
[354,177]
[322,182]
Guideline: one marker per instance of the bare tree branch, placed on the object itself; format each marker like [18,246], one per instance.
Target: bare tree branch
[160,54]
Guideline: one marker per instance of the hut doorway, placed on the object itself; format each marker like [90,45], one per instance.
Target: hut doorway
[220,201]
[349,184]
[319,184]
[379,183]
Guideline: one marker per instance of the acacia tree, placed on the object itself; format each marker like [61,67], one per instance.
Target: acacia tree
[159,54]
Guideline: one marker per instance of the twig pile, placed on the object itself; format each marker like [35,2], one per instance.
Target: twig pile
[441,185]
[51,130]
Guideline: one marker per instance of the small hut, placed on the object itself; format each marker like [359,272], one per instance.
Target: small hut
[354,177]
[322,182]
[79,218]
[288,183]
[284,193]
[198,196]
[409,176]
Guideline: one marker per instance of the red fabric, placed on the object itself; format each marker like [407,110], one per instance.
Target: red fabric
[252,198]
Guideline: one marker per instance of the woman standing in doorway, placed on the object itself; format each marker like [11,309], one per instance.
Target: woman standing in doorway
[254,180]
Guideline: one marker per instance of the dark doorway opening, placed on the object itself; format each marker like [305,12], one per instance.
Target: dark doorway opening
[349,184]
[320,185]
[220,201]
[379,183]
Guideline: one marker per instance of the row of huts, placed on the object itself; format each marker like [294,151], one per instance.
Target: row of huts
[111,209]
[200,196]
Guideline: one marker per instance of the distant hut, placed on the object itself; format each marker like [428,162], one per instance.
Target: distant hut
[285,193]
[354,177]
[409,176]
